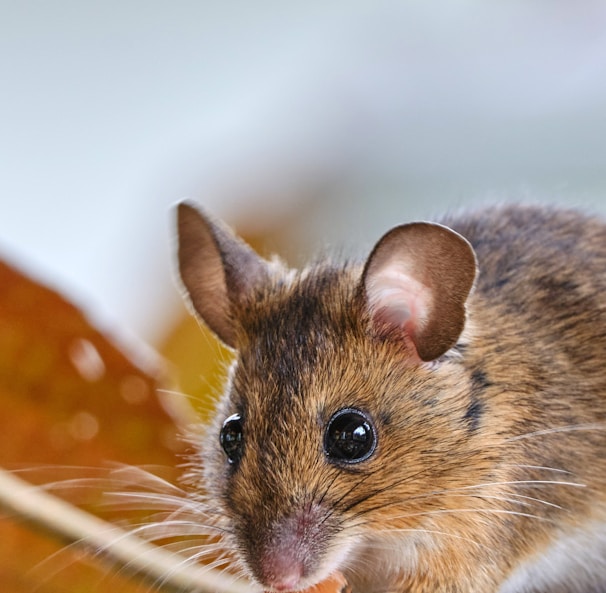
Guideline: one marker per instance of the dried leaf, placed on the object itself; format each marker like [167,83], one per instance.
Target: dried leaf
[68,397]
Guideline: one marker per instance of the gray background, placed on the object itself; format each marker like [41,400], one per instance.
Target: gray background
[351,115]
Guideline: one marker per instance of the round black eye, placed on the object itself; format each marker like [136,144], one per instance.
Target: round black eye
[350,437]
[231,438]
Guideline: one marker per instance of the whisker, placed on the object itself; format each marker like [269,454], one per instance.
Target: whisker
[548,431]
[538,467]
[139,477]
[336,503]
[203,549]
[326,489]
[527,483]
[479,511]
[180,394]
[102,539]
[437,532]
[222,563]
[390,486]
[167,576]
[463,489]
[151,501]
[492,484]
[55,563]
[513,498]
[161,529]
[527,500]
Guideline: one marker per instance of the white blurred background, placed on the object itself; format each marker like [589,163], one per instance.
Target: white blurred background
[346,117]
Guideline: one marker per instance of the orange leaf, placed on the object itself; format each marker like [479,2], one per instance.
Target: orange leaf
[68,396]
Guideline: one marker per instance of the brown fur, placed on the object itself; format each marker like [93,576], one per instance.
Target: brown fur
[485,456]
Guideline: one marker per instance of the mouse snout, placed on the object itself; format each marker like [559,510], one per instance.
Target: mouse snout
[281,572]
[289,552]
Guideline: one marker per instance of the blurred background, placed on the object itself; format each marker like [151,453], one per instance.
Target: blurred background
[338,118]
[308,126]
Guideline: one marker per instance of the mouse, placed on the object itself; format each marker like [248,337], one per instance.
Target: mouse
[429,419]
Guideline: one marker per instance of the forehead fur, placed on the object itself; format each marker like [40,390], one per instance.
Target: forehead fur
[285,328]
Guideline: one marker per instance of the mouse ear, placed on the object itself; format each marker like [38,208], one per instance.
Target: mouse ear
[416,282]
[217,269]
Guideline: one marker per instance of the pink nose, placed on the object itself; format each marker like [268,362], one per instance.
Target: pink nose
[283,573]
[289,553]
[287,584]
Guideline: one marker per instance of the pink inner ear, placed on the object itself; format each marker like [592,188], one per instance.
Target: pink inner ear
[399,301]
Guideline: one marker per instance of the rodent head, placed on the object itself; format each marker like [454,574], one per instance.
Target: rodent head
[330,417]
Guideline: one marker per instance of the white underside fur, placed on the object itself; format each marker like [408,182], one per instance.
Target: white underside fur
[574,563]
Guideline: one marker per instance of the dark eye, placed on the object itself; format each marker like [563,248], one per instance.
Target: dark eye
[231,438]
[349,437]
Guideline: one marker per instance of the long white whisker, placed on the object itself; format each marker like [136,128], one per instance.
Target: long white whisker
[519,499]
[150,501]
[220,563]
[479,511]
[434,532]
[203,549]
[109,541]
[138,476]
[547,431]
[161,529]
[524,483]
[539,467]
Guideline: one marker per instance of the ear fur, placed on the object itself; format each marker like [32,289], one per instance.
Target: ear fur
[217,269]
[416,282]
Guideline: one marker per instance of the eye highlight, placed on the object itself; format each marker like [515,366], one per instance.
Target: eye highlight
[349,437]
[232,438]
